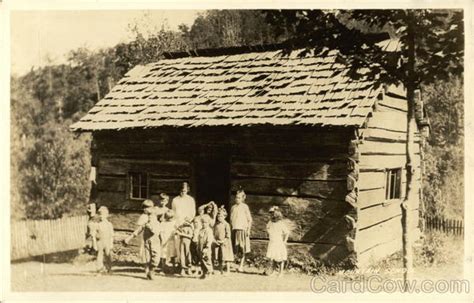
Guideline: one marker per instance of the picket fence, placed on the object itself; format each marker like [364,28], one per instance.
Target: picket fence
[31,238]
[448,226]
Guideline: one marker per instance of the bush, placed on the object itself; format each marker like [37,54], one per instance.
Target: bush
[437,248]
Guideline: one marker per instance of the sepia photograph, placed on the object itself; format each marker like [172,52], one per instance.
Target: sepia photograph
[268,150]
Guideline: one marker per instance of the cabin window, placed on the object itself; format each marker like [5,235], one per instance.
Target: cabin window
[138,185]
[393,184]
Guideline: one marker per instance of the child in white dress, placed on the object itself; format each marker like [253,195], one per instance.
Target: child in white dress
[168,241]
[278,234]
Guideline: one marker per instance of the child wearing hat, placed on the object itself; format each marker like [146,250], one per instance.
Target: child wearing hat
[205,241]
[185,234]
[150,227]
[278,233]
[168,240]
[223,245]
[104,234]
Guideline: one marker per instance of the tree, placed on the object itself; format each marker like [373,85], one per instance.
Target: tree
[227,28]
[431,49]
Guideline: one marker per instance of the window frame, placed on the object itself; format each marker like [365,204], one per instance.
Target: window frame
[391,196]
[130,185]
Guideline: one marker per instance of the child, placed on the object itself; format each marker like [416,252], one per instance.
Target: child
[223,245]
[278,236]
[241,222]
[209,209]
[185,234]
[149,225]
[168,240]
[197,225]
[91,242]
[205,241]
[162,207]
[104,233]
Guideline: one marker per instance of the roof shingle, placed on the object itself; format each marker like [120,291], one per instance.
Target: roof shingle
[244,89]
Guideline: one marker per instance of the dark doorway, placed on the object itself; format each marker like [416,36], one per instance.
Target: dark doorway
[212,178]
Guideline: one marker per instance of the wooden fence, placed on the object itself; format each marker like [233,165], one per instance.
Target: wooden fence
[38,237]
[449,226]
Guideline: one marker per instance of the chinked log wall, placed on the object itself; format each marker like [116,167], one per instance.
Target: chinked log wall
[383,147]
[303,171]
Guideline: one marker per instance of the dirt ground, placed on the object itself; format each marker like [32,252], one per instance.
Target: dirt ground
[39,276]
[36,276]
[434,260]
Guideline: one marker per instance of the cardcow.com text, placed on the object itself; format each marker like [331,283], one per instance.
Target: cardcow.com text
[377,284]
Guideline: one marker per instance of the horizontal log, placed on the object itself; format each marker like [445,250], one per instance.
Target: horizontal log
[124,220]
[385,161]
[117,201]
[309,219]
[378,252]
[227,135]
[393,103]
[168,186]
[380,134]
[112,183]
[306,253]
[293,152]
[394,120]
[335,190]
[337,170]
[379,213]
[371,180]
[382,250]
[383,232]
[156,167]
[395,148]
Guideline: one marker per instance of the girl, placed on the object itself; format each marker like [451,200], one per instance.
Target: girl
[278,236]
[209,209]
[223,245]
[104,233]
[168,240]
[241,222]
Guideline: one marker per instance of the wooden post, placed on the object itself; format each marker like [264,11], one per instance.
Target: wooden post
[410,154]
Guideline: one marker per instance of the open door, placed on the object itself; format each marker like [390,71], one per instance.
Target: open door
[212,178]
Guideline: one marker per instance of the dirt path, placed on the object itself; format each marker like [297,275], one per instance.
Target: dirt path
[35,276]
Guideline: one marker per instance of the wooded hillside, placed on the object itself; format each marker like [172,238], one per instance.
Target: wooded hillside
[50,165]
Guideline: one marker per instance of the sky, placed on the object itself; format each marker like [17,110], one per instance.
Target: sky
[38,35]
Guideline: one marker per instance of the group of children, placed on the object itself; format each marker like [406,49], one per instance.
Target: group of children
[193,245]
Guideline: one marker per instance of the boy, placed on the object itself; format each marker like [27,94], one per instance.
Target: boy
[241,222]
[185,233]
[197,225]
[104,234]
[205,241]
[149,225]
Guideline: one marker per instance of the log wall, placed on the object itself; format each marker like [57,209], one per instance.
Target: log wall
[383,146]
[301,170]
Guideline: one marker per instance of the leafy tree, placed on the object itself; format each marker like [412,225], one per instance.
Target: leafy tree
[227,28]
[444,161]
[431,48]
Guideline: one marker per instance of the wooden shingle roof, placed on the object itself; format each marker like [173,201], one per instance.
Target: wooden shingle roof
[254,88]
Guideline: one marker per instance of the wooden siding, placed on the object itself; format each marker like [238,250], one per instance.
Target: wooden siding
[303,171]
[379,231]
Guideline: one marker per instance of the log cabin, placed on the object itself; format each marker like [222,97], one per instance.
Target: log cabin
[290,128]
